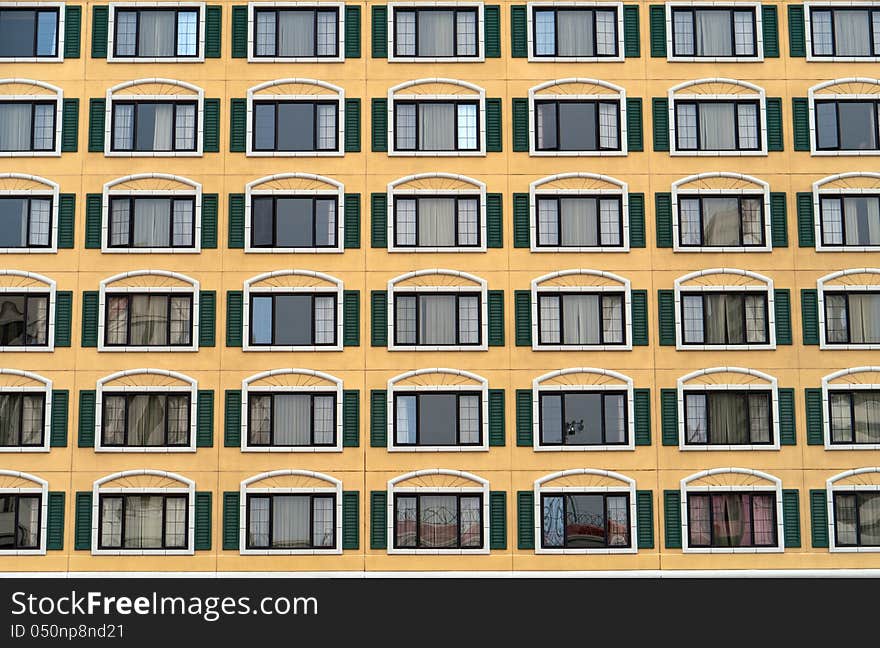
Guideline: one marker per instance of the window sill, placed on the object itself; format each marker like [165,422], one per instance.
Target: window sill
[192,250]
[575,59]
[148,349]
[726,448]
[169,59]
[474,347]
[435,250]
[675,153]
[23,349]
[250,348]
[328,250]
[152,154]
[721,250]
[32,59]
[289,449]
[23,552]
[156,450]
[715,59]
[142,552]
[811,58]
[436,154]
[584,552]
[29,154]
[295,59]
[534,153]
[435,59]
[848,347]
[23,449]
[295,154]
[584,448]
[732,550]
[581,347]
[290,552]
[845,153]
[437,552]
[848,248]
[725,347]
[397,448]
[853,549]
[851,446]
[25,250]
[580,250]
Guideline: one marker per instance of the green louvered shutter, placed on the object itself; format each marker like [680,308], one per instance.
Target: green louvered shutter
[82,530]
[213,32]
[238,125]
[379,318]
[379,123]
[239,31]
[97,108]
[494,220]
[782,309]
[232,419]
[497,520]
[495,308]
[522,307]
[55,521]
[669,416]
[663,218]
[666,316]
[519,39]
[203,521]
[205,418]
[210,202]
[660,116]
[636,219]
[492,30]
[494,126]
[672,515]
[231,520]
[525,519]
[379,220]
[520,118]
[352,32]
[806,220]
[351,522]
[211,138]
[378,418]
[642,416]
[787,427]
[791,517]
[379,34]
[351,318]
[819,518]
[797,39]
[497,423]
[775,137]
[352,221]
[353,125]
[86,434]
[778,219]
[100,17]
[72,31]
[657,14]
[815,416]
[58,418]
[640,317]
[378,520]
[524,432]
[521,218]
[63,317]
[634,138]
[69,125]
[93,221]
[66,221]
[90,318]
[351,418]
[631,42]
[810,315]
[235,235]
[800,117]
[645,518]
[770,28]
[234,314]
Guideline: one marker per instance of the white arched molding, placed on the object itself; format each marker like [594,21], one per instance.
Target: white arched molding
[850,281]
[585,281]
[722,89]
[300,90]
[750,481]
[427,381]
[28,91]
[175,485]
[152,185]
[544,4]
[138,282]
[19,381]
[251,486]
[842,185]
[154,90]
[408,4]
[448,185]
[723,184]
[31,284]
[340,32]
[420,282]
[59,34]
[286,381]
[25,185]
[145,381]
[111,34]
[576,379]
[589,90]
[467,484]
[35,486]
[438,89]
[297,281]
[848,89]
[857,480]
[714,380]
[698,4]
[854,379]
[573,185]
[608,483]
[298,185]
[744,281]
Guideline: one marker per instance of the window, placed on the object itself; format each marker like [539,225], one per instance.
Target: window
[24,319]
[857,519]
[721,221]
[149,320]
[850,31]
[728,318]
[22,419]
[436,126]
[296,126]
[291,419]
[581,318]
[437,221]
[19,522]
[436,32]
[717,125]
[577,126]
[854,416]
[27,125]
[850,220]
[728,417]
[26,221]
[302,32]
[732,519]
[154,126]
[579,221]
[438,419]
[847,125]
[714,32]
[585,520]
[574,32]
[291,521]
[155,32]
[437,319]
[29,32]
[294,319]
[145,420]
[852,317]
[294,221]
[146,521]
[154,222]
[583,418]
[438,521]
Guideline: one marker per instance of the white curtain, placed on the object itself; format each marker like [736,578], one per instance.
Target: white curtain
[864,316]
[156,33]
[721,221]
[296,33]
[437,127]
[869,519]
[728,415]
[580,319]
[437,222]
[290,522]
[292,419]
[852,32]
[436,33]
[579,222]
[862,221]
[405,419]
[149,319]
[437,319]
[37,321]
[713,33]
[15,126]
[152,222]
[164,119]
[574,35]
[143,522]
[717,127]
[146,420]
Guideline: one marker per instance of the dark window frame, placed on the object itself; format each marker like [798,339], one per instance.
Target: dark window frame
[845,293]
[602,294]
[850,394]
[708,7]
[134,125]
[272,394]
[314,199]
[841,199]
[33,104]
[710,508]
[744,394]
[129,295]
[457,496]
[455,9]
[124,497]
[315,11]
[29,198]
[597,197]
[735,293]
[131,215]
[27,296]
[315,134]
[418,294]
[597,102]
[250,497]
[273,295]
[858,495]
[839,134]
[604,495]
[458,395]
[457,199]
[20,441]
[740,198]
[453,102]
[574,392]
[38,10]
[831,9]
[555,11]
[17,497]
[736,104]
[176,10]
[125,434]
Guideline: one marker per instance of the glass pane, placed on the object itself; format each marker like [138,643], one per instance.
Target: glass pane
[143,522]
[156,30]
[744,33]
[468,222]
[436,33]
[752,221]
[618,520]
[183,223]
[467,127]
[37,325]
[405,419]
[44,127]
[747,126]
[683,32]
[575,33]
[154,127]
[296,127]
[864,318]
[615,418]
[694,326]
[113,422]
[836,321]
[728,417]
[545,33]
[146,420]
[553,524]
[577,126]
[699,521]
[175,523]
[858,121]
[293,222]
[27,533]
[47,33]
[437,319]
[731,520]
[862,220]
[13,222]
[696,418]
[262,227]
[436,222]
[187,33]
[12,320]
[123,127]
[547,127]
[686,127]
[832,221]
[471,522]
[405,531]
[177,411]
[293,320]
[264,127]
[405,127]
[713,33]
[841,417]
[149,320]
[325,320]
[826,125]
[759,418]
[17,33]
[126,33]
[585,521]
[550,326]
[609,222]
[548,222]
[327,39]
[437,127]
[438,522]
[326,126]
[580,319]
[296,33]
[185,127]
[10,416]
[466,33]
[469,419]
[689,224]
[820,27]
[323,419]
[437,419]
[405,320]
[869,519]
[152,222]
[290,522]
[16,121]
[325,222]
[405,221]
[261,320]
[866,412]
[181,320]
[405,33]
[583,419]
[469,320]
[845,518]
[551,418]
[260,420]
[292,420]
[258,521]
[721,221]
[763,517]
[323,531]
[852,32]
[265,33]
[111,522]
[717,127]
[606,33]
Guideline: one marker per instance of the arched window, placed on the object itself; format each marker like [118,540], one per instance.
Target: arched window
[703,32]
[853,500]
[424,32]
[845,117]
[30,112]
[850,400]
[24,513]
[153,33]
[27,311]
[30,208]
[296,32]
[595,33]
[849,309]
[848,209]
[25,411]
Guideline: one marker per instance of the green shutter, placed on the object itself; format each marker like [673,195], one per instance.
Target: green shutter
[520,118]
[672,514]
[660,116]
[819,517]
[797,40]
[379,122]
[800,117]
[522,307]
[806,220]
[237,124]
[66,220]
[93,221]
[657,14]
[90,318]
[519,39]
[379,220]
[232,419]
[666,316]
[782,309]
[631,45]
[497,520]
[775,137]
[815,416]
[791,517]
[778,219]
[239,31]
[351,318]
[810,315]
[642,416]
[97,108]
[494,126]
[497,423]
[100,16]
[663,218]
[235,234]
[492,30]
[521,221]
[525,519]
[86,436]
[494,220]
[211,138]
[213,32]
[669,416]
[69,125]
[645,518]
[352,125]
[352,221]
[210,203]
[55,521]
[495,308]
[378,418]
[231,520]
[640,318]
[234,314]
[378,519]
[787,428]
[634,139]
[636,219]
[72,31]
[770,25]
[352,34]
[203,521]
[82,530]
[63,317]
[524,432]
[205,418]
[351,418]
[378,318]
[379,34]
[58,418]
[351,522]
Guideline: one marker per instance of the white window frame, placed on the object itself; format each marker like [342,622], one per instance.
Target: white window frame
[340,32]
[819,193]
[104,390]
[768,287]
[814,95]
[59,52]
[627,487]
[618,94]
[111,32]
[48,287]
[530,13]
[334,488]
[437,4]
[851,288]
[114,95]
[479,94]
[42,489]
[622,192]
[828,387]
[831,489]
[808,26]
[46,390]
[482,388]
[479,289]
[480,487]
[252,97]
[252,190]
[678,192]
[686,490]
[247,389]
[758,94]
[32,98]
[52,191]
[250,290]
[539,389]
[107,289]
[188,488]
[759,33]
[623,286]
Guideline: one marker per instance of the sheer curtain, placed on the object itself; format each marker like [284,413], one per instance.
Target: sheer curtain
[37,325]
[580,319]
[721,221]
[149,319]
[146,420]
[437,319]
[729,422]
[143,522]
[10,411]
[762,519]
[436,33]
[862,221]
[290,522]
[869,519]
[152,222]
[296,33]
[866,408]
[15,126]
[864,318]
[292,420]
[156,33]
[437,127]
[724,319]
[852,32]
[579,222]
[713,33]
[717,127]
[162,128]
[731,517]
[574,36]
[437,222]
